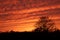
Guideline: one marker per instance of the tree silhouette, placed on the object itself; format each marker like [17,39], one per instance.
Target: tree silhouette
[45,24]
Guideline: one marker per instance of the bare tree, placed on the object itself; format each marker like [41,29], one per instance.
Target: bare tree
[45,24]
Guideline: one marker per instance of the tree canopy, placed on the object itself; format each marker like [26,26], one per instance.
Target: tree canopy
[45,24]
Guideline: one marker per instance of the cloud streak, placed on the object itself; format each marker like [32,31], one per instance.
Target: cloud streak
[20,15]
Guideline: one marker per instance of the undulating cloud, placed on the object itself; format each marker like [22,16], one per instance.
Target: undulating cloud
[21,15]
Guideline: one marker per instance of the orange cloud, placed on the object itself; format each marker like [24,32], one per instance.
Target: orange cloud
[34,9]
[19,17]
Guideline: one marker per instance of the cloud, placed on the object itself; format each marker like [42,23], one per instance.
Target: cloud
[12,5]
[21,15]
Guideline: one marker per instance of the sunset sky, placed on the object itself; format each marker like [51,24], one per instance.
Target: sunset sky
[21,15]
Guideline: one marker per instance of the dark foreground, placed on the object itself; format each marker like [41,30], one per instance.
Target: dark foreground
[28,35]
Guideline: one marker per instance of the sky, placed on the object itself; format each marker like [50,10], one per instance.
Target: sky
[22,15]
